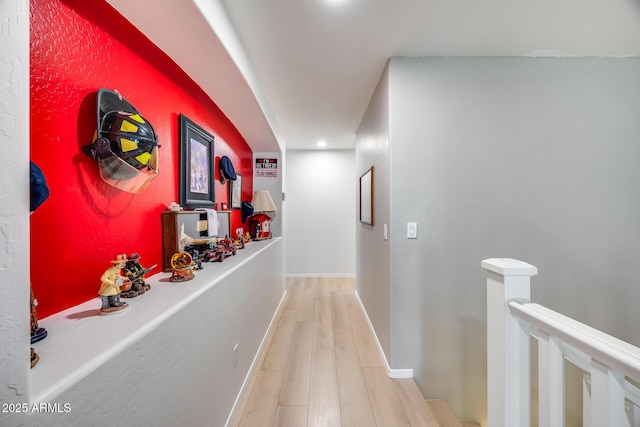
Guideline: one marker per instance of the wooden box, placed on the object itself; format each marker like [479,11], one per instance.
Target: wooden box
[191,223]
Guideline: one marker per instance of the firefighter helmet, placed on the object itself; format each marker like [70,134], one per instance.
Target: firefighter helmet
[126,144]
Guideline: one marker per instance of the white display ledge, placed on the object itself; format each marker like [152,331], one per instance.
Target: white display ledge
[80,339]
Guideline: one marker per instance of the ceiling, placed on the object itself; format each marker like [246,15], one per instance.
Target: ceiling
[289,73]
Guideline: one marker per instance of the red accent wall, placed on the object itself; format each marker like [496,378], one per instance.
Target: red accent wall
[77,47]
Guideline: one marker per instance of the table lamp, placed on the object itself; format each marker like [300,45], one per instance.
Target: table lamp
[260,222]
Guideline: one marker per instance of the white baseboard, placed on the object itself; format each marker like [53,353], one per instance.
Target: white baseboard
[393,373]
[321,275]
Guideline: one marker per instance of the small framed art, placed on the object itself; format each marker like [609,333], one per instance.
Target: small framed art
[366,197]
[235,192]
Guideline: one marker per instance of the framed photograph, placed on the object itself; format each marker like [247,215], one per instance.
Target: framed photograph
[196,166]
[224,206]
[366,197]
[235,192]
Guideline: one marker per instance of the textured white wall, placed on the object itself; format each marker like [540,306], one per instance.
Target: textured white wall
[14,200]
[320,212]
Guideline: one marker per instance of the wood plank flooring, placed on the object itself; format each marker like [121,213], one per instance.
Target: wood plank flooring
[321,367]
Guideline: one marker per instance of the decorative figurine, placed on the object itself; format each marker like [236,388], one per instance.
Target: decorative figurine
[34,357]
[174,207]
[181,262]
[196,264]
[135,273]
[239,242]
[110,291]
[260,226]
[37,333]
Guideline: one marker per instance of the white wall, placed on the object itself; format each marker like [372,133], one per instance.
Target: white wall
[373,258]
[166,361]
[320,212]
[531,158]
[14,201]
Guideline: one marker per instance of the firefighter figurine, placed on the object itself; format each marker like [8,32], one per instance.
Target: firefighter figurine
[109,291]
[135,273]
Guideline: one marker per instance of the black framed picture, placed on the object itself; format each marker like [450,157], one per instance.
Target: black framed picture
[196,166]
[235,192]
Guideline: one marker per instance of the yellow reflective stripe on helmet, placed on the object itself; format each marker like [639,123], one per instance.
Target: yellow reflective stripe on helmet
[128,127]
[128,145]
[143,158]
[137,118]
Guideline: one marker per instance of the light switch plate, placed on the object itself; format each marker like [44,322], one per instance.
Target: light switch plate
[412,230]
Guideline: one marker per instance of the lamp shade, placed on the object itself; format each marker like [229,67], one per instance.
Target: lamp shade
[262,202]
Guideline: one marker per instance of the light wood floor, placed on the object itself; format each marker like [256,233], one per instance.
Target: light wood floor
[321,367]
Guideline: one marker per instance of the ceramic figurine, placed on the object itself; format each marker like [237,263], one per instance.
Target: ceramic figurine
[239,242]
[174,207]
[135,273]
[110,291]
[196,264]
[182,267]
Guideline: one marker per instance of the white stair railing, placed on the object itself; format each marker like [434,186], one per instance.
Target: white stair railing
[610,365]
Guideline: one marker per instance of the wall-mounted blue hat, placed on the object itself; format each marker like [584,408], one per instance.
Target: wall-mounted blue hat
[247,210]
[226,170]
[39,189]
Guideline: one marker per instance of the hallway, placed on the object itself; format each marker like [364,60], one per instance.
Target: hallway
[321,367]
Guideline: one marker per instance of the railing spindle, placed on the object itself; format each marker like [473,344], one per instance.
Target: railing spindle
[550,381]
[607,396]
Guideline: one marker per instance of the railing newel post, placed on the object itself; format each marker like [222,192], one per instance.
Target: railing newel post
[508,343]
